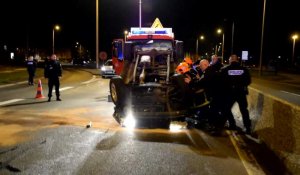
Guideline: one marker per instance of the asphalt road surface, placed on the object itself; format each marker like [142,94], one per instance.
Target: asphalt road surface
[283,86]
[40,137]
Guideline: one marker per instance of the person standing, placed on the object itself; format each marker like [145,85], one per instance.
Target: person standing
[236,80]
[53,71]
[31,68]
[210,82]
[216,63]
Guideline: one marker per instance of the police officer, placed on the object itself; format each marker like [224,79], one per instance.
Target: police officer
[210,82]
[31,67]
[236,80]
[216,63]
[53,71]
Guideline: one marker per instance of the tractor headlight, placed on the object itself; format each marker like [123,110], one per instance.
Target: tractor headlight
[129,121]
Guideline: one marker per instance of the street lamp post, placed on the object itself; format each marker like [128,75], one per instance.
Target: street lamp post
[97,34]
[197,43]
[232,37]
[140,13]
[294,37]
[56,27]
[262,38]
[223,40]
[79,52]
[125,35]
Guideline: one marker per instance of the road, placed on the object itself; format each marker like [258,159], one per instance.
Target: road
[40,137]
[283,86]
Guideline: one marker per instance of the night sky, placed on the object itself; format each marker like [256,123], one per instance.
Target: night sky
[29,23]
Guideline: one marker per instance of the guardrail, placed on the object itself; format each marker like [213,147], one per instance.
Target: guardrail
[277,124]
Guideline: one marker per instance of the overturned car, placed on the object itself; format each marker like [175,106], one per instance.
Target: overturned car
[148,90]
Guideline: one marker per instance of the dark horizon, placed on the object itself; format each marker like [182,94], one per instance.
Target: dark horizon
[31,23]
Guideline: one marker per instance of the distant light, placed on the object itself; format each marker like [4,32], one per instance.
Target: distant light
[57,27]
[12,55]
[294,37]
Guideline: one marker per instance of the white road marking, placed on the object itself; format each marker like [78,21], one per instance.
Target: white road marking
[247,158]
[291,93]
[10,101]
[11,84]
[16,100]
[63,89]
[89,81]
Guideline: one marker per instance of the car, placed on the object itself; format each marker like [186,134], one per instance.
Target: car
[107,70]
[148,92]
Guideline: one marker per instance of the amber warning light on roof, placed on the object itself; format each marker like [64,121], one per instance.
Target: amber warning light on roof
[157,24]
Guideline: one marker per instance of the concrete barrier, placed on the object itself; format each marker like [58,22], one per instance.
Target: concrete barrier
[277,124]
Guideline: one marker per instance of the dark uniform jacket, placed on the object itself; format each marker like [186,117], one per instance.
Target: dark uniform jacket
[236,78]
[31,66]
[217,66]
[53,69]
[209,81]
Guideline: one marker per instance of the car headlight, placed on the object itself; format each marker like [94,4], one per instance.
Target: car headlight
[129,121]
[103,68]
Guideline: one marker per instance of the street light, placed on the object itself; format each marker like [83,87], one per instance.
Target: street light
[97,34]
[78,44]
[56,27]
[125,35]
[262,38]
[197,45]
[294,37]
[219,31]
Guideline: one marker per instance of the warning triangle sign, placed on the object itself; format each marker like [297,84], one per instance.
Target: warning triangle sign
[157,24]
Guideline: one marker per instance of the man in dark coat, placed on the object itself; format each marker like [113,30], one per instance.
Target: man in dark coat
[236,79]
[210,82]
[216,63]
[53,71]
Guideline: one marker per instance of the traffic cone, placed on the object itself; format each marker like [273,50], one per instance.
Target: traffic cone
[39,93]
